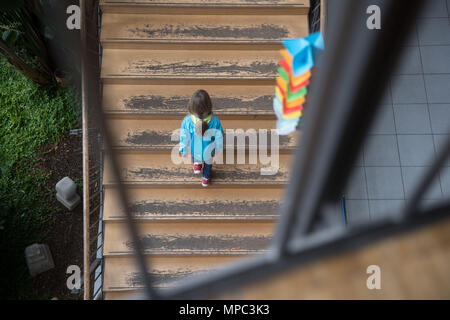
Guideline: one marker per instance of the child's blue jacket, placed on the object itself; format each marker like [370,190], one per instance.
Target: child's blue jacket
[202,149]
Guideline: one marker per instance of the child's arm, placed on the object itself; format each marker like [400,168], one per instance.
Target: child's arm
[219,137]
[184,138]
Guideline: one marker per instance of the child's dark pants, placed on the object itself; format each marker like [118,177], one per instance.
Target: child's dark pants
[207,170]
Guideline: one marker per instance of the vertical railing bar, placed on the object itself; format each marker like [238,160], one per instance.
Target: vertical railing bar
[322,16]
[84,93]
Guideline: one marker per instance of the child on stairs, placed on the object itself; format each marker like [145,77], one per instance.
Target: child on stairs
[203,132]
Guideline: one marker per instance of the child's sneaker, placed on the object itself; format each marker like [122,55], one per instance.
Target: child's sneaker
[205,182]
[197,167]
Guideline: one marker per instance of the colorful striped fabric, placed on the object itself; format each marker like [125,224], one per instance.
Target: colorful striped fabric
[293,79]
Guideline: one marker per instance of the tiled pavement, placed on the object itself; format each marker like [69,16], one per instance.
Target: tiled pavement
[413,122]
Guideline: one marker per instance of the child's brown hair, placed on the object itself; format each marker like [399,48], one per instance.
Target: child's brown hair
[201,106]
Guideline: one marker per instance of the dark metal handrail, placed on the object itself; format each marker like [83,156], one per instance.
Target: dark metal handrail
[92,157]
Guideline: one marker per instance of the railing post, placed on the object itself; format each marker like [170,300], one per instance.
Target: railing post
[84,88]
[322,16]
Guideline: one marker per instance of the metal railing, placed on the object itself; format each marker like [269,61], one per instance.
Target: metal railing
[92,155]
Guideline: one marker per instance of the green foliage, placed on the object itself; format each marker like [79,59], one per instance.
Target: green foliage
[20,30]
[29,116]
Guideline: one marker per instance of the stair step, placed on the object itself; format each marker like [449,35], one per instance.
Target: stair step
[187,238]
[122,274]
[425,251]
[206,7]
[184,204]
[163,135]
[124,29]
[159,169]
[203,3]
[126,64]
[170,101]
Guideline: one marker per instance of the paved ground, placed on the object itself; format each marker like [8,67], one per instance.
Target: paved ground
[413,123]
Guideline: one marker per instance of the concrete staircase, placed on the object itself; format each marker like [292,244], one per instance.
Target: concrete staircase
[155,55]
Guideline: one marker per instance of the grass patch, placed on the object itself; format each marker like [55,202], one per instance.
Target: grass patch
[29,117]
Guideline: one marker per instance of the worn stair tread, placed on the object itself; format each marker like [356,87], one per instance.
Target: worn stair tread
[159,169]
[123,28]
[425,251]
[122,273]
[132,134]
[168,238]
[172,100]
[182,205]
[210,6]
[213,2]
[190,64]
